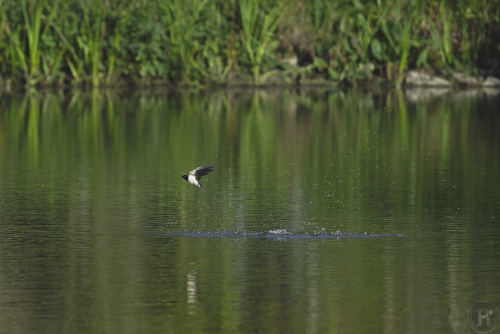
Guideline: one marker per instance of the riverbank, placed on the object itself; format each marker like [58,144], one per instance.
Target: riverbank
[243,42]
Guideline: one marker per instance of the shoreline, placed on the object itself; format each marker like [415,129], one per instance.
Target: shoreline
[413,79]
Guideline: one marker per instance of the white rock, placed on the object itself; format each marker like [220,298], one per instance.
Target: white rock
[491,82]
[292,61]
[464,79]
[414,78]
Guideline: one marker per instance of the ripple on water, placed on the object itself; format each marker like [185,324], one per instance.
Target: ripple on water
[278,234]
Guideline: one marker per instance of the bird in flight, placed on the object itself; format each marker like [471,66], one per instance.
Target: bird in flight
[195,175]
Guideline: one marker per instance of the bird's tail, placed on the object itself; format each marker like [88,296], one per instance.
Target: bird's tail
[199,185]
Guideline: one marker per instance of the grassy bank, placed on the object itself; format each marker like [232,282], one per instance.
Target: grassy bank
[199,42]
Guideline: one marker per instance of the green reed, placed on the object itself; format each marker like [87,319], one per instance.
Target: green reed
[259,24]
[33,25]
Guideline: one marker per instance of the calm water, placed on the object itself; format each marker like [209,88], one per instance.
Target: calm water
[341,212]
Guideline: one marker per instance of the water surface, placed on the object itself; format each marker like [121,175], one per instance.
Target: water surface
[327,211]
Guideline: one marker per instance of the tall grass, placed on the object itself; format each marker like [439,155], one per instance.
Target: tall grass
[259,25]
[202,42]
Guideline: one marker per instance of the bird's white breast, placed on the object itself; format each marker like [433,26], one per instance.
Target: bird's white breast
[192,180]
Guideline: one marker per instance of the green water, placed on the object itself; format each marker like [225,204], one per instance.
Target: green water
[92,205]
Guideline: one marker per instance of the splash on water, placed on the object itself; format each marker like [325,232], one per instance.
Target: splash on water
[280,231]
[278,234]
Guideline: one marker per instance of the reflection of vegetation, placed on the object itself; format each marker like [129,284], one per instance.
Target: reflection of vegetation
[199,41]
[336,149]
[77,173]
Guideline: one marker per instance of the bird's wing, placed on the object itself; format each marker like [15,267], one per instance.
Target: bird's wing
[200,171]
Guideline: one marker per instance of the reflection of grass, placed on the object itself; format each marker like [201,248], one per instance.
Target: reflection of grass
[199,41]
[330,157]
[255,121]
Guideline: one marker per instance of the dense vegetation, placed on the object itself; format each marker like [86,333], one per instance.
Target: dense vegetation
[242,41]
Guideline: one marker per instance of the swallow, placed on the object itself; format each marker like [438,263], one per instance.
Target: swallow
[195,175]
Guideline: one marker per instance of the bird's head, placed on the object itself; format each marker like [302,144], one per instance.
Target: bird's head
[185,177]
